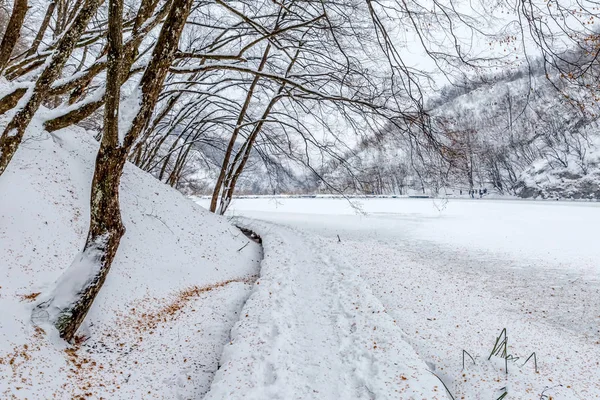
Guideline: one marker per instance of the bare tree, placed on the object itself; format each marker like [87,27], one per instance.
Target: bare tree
[14,131]
[106,227]
[43,27]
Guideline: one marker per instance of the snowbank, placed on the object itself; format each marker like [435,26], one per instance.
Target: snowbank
[157,328]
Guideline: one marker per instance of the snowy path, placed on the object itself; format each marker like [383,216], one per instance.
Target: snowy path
[312,329]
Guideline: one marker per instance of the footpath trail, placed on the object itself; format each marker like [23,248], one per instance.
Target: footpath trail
[312,329]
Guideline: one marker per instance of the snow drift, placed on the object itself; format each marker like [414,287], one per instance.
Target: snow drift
[158,325]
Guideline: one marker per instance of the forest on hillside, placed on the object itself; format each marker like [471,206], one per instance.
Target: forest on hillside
[512,134]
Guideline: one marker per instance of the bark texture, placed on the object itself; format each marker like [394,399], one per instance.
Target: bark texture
[13,32]
[106,226]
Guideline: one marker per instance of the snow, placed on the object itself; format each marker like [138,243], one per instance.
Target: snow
[178,282]
[533,230]
[48,113]
[451,275]
[129,109]
[64,294]
[378,299]
[312,329]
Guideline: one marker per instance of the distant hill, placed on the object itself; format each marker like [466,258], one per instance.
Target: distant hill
[514,134]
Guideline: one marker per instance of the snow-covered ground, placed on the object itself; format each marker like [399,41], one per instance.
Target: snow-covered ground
[312,330]
[375,300]
[450,277]
[157,328]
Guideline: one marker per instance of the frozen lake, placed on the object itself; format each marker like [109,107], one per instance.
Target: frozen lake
[561,235]
[454,274]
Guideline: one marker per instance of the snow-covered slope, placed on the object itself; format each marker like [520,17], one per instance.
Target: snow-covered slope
[513,135]
[157,328]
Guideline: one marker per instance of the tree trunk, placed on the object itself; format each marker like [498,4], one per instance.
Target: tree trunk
[106,227]
[73,12]
[13,32]
[61,17]
[178,169]
[105,232]
[13,134]
[165,163]
[234,134]
[239,162]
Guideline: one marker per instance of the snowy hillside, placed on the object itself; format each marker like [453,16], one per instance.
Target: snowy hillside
[514,135]
[527,138]
[157,328]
